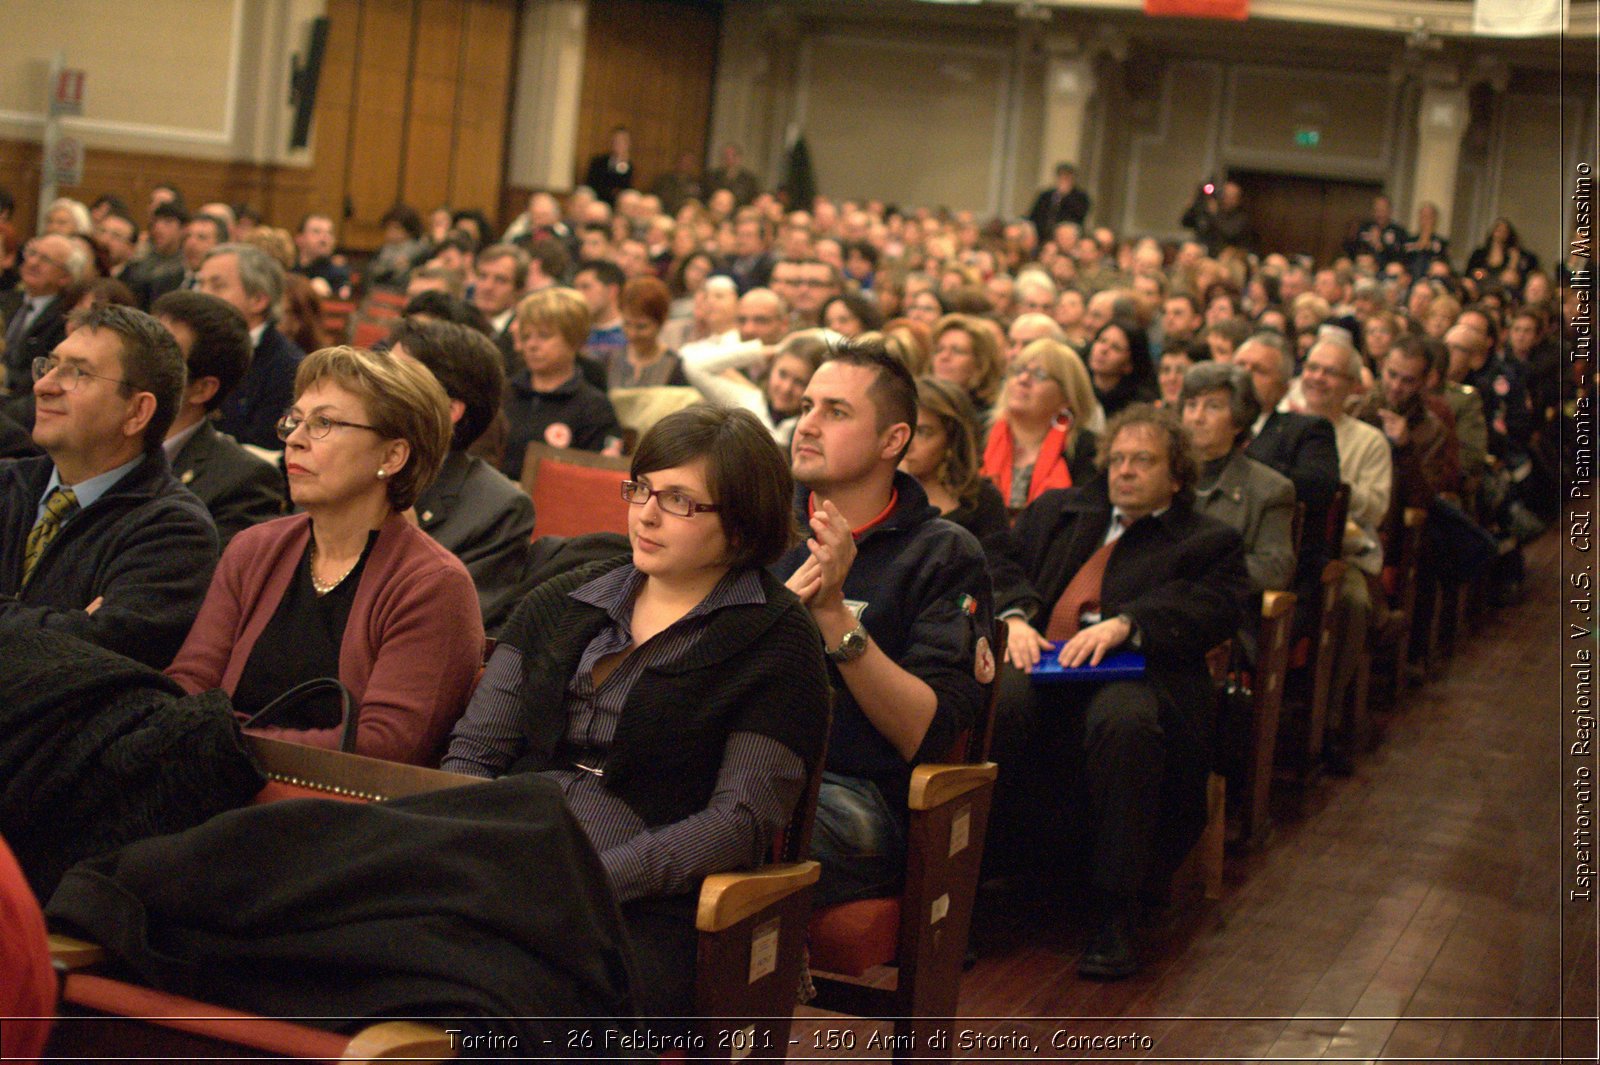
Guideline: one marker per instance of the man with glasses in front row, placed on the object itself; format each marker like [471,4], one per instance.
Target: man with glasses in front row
[97,538]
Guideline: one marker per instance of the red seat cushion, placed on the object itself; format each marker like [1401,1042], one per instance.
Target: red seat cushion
[1300,653]
[1391,581]
[852,937]
[279,1038]
[572,500]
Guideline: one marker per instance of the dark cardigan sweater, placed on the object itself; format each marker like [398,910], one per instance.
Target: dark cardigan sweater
[756,668]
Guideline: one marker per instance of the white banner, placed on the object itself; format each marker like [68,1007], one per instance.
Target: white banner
[1518,18]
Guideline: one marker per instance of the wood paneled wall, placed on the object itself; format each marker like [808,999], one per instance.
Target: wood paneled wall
[281,193]
[412,109]
[648,65]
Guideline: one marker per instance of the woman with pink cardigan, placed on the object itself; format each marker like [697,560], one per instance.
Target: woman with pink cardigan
[349,588]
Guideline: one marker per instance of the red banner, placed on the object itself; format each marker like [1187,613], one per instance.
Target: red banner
[1238,10]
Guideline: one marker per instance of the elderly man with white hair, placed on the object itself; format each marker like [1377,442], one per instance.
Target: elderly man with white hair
[35,320]
[1330,374]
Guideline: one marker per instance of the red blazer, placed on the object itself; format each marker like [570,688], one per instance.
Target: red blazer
[411,648]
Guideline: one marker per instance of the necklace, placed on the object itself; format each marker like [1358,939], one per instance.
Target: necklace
[319,586]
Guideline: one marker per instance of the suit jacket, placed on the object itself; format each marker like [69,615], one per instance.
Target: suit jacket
[16,442]
[1257,501]
[46,331]
[147,547]
[1180,575]
[1302,447]
[486,520]
[237,487]
[153,276]
[607,178]
[250,413]
[1073,207]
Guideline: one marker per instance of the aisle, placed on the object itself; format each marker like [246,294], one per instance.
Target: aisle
[1412,899]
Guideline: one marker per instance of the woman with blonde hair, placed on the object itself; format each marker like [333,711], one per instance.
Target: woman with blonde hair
[966,354]
[911,341]
[1041,437]
[348,588]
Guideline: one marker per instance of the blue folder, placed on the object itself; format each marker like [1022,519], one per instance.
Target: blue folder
[1118,665]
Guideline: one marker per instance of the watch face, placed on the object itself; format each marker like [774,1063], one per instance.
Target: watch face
[851,646]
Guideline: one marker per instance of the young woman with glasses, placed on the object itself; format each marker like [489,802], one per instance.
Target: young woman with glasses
[677,695]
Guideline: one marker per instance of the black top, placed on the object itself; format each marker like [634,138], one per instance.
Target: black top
[757,667]
[301,643]
[927,601]
[573,414]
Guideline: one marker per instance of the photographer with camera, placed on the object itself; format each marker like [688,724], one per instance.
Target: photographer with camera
[1218,217]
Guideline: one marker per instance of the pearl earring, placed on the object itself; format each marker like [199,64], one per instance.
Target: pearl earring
[382,474]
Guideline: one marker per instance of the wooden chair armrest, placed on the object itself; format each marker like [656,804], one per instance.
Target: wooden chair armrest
[1277,604]
[70,954]
[935,785]
[728,898]
[400,1040]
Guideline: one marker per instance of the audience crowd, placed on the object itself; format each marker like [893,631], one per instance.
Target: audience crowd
[1106,442]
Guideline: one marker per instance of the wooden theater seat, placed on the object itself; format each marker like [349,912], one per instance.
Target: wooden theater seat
[751,924]
[575,492]
[923,930]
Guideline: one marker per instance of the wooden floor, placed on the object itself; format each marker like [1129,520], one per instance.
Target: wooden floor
[1409,913]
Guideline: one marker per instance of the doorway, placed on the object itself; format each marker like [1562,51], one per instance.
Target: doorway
[1306,215]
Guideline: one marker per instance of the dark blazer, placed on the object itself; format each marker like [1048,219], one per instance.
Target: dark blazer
[1302,447]
[238,488]
[42,336]
[607,178]
[486,520]
[15,440]
[153,276]
[1257,500]
[250,413]
[1073,207]
[147,547]
[1180,575]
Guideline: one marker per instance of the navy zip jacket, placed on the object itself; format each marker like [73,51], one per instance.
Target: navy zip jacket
[928,600]
[147,547]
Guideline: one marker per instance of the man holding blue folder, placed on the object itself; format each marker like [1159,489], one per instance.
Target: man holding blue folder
[1122,563]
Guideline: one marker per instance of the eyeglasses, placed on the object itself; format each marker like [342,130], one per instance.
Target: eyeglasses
[29,251]
[670,499]
[1317,369]
[317,426]
[1039,374]
[68,374]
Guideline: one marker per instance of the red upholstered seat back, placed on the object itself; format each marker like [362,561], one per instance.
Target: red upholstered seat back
[570,500]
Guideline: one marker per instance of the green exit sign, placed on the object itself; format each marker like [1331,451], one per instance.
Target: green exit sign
[1307,138]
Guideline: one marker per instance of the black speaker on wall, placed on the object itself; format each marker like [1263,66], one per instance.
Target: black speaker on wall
[303,79]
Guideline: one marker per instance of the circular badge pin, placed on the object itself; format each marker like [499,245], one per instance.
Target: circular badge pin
[983,662]
[558,434]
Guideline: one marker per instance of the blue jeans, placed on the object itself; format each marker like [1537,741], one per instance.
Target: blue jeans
[860,840]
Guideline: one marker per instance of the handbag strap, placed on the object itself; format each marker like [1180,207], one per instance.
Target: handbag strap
[349,713]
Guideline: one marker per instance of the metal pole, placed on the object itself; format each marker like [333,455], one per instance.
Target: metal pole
[52,130]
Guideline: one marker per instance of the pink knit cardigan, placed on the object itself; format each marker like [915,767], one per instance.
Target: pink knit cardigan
[411,648]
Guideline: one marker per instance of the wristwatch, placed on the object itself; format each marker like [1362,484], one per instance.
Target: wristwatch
[851,646]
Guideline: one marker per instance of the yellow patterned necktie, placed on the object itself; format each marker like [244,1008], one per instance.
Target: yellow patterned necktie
[61,503]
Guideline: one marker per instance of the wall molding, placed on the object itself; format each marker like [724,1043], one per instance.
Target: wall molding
[1003,61]
[220,138]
